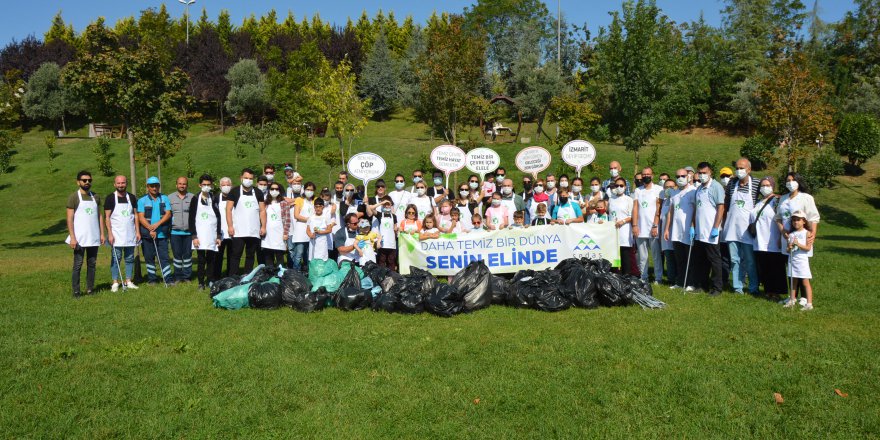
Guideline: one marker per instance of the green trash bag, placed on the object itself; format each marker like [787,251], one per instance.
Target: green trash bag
[319,269]
[234,298]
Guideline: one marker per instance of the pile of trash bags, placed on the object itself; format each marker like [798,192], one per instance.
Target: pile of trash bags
[582,283]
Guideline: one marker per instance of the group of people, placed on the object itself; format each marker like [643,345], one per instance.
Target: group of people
[695,229]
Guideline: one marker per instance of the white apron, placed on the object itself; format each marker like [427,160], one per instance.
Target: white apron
[85,222]
[298,228]
[533,209]
[221,206]
[647,200]
[705,216]
[510,204]
[619,208]
[246,215]
[445,221]
[423,206]
[464,216]
[351,256]
[122,223]
[682,215]
[274,229]
[565,212]
[206,226]
[739,216]
[385,225]
[766,231]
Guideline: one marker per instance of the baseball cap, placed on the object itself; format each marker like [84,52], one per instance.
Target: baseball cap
[689,169]
[799,213]
[364,223]
[153,180]
[726,170]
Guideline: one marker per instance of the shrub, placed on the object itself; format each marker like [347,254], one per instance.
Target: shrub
[758,150]
[858,138]
[103,155]
[825,166]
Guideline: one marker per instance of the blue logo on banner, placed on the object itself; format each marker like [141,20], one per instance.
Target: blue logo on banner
[587,243]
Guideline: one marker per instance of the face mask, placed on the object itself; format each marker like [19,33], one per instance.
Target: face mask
[614,172]
[445,210]
[792,186]
[662,182]
[740,174]
[271,177]
[766,190]
[527,185]
[474,185]
[506,190]
[667,193]
[262,187]
[551,184]
[646,179]
[225,189]
[681,181]
[594,188]
[725,180]
[577,189]
[386,210]
[309,194]
[398,185]
[247,183]
[347,194]
[296,188]
[619,191]
[421,191]
[464,193]
[600,211]
[563,184]
[417,179]
[438,181]
[539,189]
[274,193]
[563,200]
[339,194]
[499,178]
[206,188]
[704,177]
[496,202]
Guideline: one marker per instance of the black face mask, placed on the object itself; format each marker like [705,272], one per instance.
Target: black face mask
[563,200]
[527,185]
[338,194]
[646,179]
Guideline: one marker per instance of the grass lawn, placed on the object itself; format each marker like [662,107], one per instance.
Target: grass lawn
[163,363]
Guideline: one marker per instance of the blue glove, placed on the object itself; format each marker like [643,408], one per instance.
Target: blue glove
[713,233]
[693,233]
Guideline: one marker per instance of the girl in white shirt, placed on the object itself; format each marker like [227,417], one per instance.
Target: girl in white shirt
[799,264]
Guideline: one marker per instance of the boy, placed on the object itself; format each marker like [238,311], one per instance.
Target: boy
[541,217]
[319,229]
[366,240]
[519,219]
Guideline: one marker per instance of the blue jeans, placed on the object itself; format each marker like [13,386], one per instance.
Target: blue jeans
[181,246]
[645,246]
[742,265]
[126,255]
[299,254]
[153,250]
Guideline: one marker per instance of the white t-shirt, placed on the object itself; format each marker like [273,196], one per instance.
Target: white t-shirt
[647,200]
[620,208]
[319,246]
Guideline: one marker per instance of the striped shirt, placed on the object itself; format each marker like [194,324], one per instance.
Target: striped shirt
[734,185]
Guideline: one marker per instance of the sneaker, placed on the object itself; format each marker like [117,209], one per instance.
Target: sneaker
[130,285]
[201,286]
[807,306]
[714,292]
[675,286]
[690,289]
[739,292]
[789,303]
[115,287]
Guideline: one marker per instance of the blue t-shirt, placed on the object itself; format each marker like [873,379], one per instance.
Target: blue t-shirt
[147,201]
[574,206]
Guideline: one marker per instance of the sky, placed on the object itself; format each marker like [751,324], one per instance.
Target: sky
[23,18]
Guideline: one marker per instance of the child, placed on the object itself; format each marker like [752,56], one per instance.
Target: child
[458,226]
[411,223]
[799,253]
[541,217]
[519,219]
[319,229]
[429,229]
[600,211]
[444,220]
[386,223]
[477,222]
[497,214]
[367,241]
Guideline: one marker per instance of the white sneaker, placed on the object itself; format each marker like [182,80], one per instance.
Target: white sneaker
[675,286]
[130,285]
[114,287]
[802,302]
[807,306]
[689,289]
[789,303]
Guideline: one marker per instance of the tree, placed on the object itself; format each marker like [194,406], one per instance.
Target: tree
[248,92]
[289,90]
[576,119]
[257,136]
[336,100]
[452,69]
[636,72]
[46,99]
[60,31]
[792,103]
[536,86]
[134,88]
[408,83]
[858,138]
[206,63]
[378,80]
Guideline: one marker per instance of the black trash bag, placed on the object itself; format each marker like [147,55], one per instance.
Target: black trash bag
[579,287]
[446,301]
[264,274]
[500,290]
[351,280]
[265,295]
[474,284]
[601,266]
[612,289]
[521,290]
[392,279]
[551,300]
[312,301]
[567,265]
[386,301]
[408,294]
[352,298]
[422,280]
[224,284]
[411,302]
[294,285]
[377,273]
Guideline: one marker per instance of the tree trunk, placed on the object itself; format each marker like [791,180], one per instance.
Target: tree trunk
[159,166]
[636,155]
[63,125]
[222,122]
[131,163]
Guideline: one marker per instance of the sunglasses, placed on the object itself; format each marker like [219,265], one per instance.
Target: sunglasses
[398,181]
[681,175]
[620,186]
[474,181]
[85,180]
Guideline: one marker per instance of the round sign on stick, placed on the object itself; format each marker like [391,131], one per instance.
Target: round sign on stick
[366,167]
[533,160]
[449,159]
[578,153]
[482,161]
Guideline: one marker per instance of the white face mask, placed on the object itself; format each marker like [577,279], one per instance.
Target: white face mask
[682,181]
[595,188]
[262,188]
[725,180]
[740,174]
[506,190]
[296,188]
[614,172]
[271,177]
[309,194]
[576,189]
[496,202]
[473,185]
[766,190]
[398,185]
[551,184]
[274,193]
[420,191]
[225,189]
[464,193]
[704,177]
[206,188]
[792,186]
[619,191]
[563,184]
[247,183]
[539,189]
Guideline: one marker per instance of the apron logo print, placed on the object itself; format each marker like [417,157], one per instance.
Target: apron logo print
[699,203]
[204,216]
[644,204]
[274,217]
[125,213]
[740,204]
[90,211]
[249,204]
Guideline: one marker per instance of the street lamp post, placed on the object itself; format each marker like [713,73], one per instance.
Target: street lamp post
[187,3]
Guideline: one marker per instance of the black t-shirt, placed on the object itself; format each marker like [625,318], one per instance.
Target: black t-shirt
[112,199]
[235,194]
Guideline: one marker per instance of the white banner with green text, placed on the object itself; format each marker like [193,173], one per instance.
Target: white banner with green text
[509,250]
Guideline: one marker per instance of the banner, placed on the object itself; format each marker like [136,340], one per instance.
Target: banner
[509,250]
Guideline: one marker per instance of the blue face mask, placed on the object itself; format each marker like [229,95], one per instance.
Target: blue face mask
[398,185]
[438,181]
